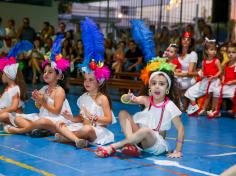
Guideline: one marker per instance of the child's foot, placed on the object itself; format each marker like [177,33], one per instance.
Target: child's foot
[192,109]
[6,128]
[60,138]
[202,112]
[104,152]
[213,114]
[130,150]
[81,143]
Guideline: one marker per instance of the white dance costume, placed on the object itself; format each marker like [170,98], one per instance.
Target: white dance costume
[150,118]
[186,82]
[44,113]
[7,96]
[104,135]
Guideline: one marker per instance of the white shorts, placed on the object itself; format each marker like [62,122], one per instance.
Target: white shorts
[186,82]
[159,147]
[199,89]
[228,91]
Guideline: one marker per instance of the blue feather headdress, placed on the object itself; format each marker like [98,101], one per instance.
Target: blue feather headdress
[93,41]
[20,47]
[55,58]
[144,38]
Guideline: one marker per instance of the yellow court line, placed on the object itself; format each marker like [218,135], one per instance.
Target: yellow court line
[44,159]
[5,134]
[25,166]
[209,143]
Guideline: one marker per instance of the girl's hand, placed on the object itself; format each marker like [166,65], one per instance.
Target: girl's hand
[211,78]
[130,96]
[67,115]
[85,113]
[40,99]
[175,154]
[34,94]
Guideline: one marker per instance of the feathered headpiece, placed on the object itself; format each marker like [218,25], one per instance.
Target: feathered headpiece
[20,47]
[156,64]
[144,38]
[93,41]
[55,58]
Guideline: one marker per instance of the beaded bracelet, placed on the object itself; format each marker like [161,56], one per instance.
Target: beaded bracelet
[123,101]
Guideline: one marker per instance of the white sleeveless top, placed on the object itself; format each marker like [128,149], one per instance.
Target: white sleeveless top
[150,118]
[6,98]
[92,106]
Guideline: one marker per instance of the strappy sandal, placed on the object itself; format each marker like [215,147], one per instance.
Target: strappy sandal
[213,114]
[6,128]
[104,152]
[130,150]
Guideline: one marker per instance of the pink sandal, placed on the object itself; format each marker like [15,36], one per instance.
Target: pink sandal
[104,152]
[214,114]
[130,150]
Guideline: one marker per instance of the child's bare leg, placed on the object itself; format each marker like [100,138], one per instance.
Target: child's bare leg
[4,117]
[46,124]
[127,123]
[85,133]
[214,103]
[206,102]
[23,126]
[143,135]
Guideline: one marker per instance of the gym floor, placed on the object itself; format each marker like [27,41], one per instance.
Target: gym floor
[209,149]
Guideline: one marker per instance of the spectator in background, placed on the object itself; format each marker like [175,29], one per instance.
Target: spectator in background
[62,29]
[48,44]
[108,51]
[44,31]
[134,58]
[164,39]
[11,31]
[199,38]
[118,57]
[6,48]
[2,34]
[51,32]
[26,32]
[77,34]
[175,37]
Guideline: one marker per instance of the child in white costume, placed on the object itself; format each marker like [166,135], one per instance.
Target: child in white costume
[95,104]
[50,99]
[147,128]
[95,115]
[11,101]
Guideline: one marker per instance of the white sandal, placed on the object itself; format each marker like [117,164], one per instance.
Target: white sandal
[81,143]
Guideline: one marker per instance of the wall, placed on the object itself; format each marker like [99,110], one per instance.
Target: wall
[36,14]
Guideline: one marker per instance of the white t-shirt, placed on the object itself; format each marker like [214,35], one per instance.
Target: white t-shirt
[189,58]
[150,118]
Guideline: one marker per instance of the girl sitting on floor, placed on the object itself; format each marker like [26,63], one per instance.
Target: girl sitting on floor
[147,129]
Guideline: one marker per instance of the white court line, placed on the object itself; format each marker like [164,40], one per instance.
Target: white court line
[176,164]
[2,175]
[223,154]
[44,159]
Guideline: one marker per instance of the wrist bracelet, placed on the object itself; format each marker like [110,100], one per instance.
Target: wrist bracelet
[123,101]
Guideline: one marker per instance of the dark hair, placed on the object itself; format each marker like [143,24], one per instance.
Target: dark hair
[206,46]
[231,45]
[22,85]
[61,82]
[191,46]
